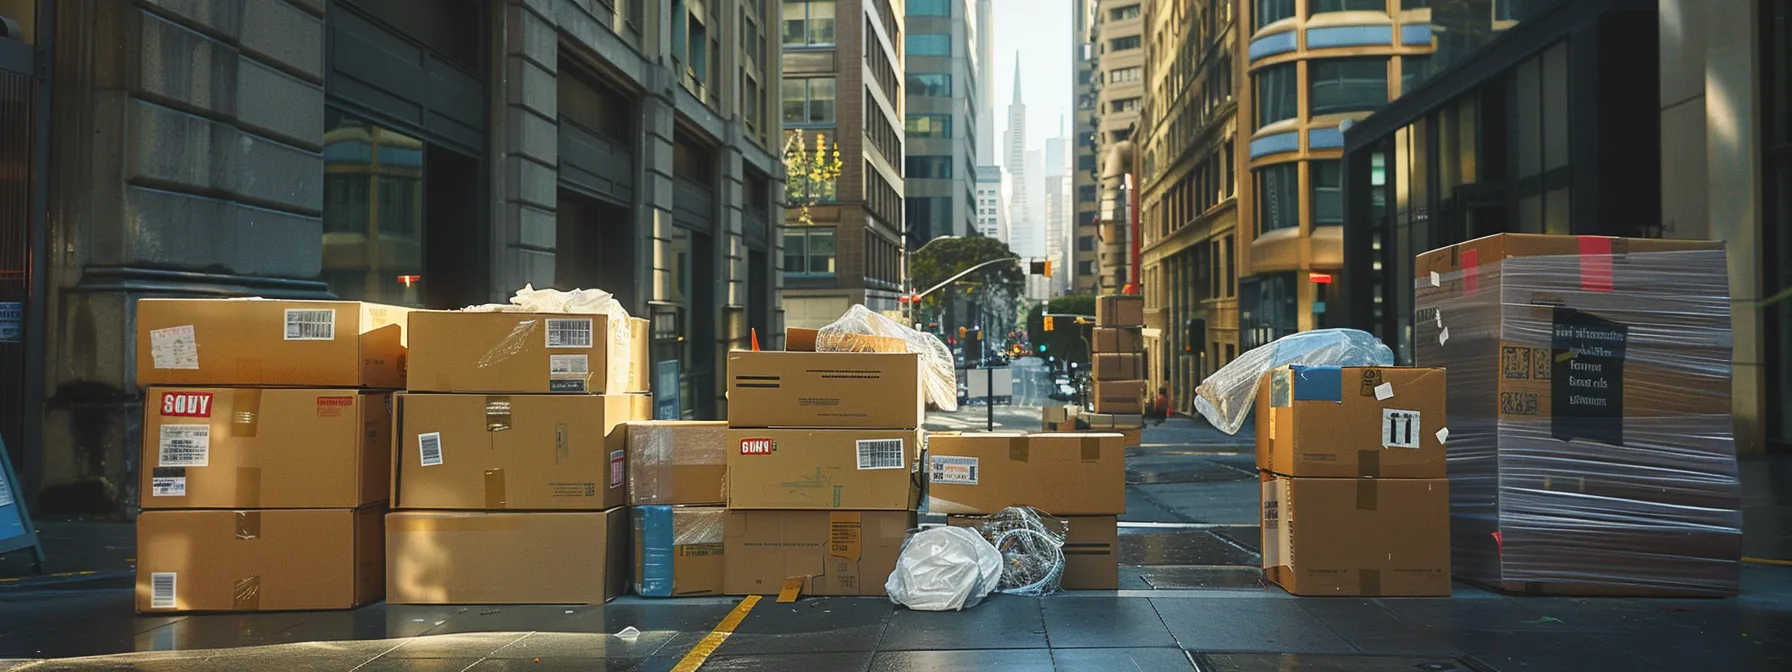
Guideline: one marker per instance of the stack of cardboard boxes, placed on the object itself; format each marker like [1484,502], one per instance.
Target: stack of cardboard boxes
[1351,461]
[509,476]
[677,480]
[266,435]
[1117,365]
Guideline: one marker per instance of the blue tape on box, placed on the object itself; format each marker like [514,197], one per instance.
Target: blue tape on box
[656,535]
[1318,383]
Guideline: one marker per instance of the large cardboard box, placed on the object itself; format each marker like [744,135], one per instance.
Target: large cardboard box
[1112,422]
[1117,366]
[522,452]
[259,560]
[1091,548]
[865,469]
[678,550]
[1119,339]
[1063,474]
[677,462]
[258,342]
[525,353]
[834,553]
[275,448]
[825,390]
[478,557]
[1120,396]
[1366,537]
[1120,310]
[1374,421]
[797,339]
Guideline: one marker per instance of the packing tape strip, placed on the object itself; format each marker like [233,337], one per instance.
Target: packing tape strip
[1018,449]
[1366,494]
[248,525]
[497,413]
[245,412]
[246,594]
[494,489]
[1091,448]
[248,486]
[1368,463]
[1368,582]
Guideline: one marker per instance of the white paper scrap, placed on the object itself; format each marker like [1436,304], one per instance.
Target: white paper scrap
[1435,280]
[1443,336]
[1443,435]
[1384,391]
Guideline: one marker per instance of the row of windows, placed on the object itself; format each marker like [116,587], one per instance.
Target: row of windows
[929,8]
[927,167]
[1278,194]
[1202,188]
[809,22]
[880,131]
[1123,13]
[1334,85]
[883,260]
[932,85]
[1271,11]
[809,100]
[809,251]
[879,60]
[881,199]
[1127,43]
[1123,105]
[1132,74]
[927,44]
[928,126]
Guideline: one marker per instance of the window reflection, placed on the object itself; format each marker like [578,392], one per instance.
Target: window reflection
[373,213]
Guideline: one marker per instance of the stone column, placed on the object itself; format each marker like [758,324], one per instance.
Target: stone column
[527,151]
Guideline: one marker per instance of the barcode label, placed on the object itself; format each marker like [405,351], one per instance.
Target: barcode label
[569,365]
[161,590]
[949,470]
[310,325]
[429,448]
[1399,429]
[569,333]
[184,446]
[168,486]
[880,454]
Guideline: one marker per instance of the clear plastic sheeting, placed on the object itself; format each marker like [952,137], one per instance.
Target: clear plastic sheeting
[667,458]
[1032,550]
[1226,397]
[577,302]
[944,569]
[666,532]
[938,378]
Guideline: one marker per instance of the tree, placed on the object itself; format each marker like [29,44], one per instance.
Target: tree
[946,257]
[809,177]
[1082,304]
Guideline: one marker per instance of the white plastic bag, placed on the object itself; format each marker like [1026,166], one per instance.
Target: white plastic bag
[938,377]
[944,569]
[1226,397]
[580,302]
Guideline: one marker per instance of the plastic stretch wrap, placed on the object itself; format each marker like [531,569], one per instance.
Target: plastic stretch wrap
[944,569]
[1590,447]
[1226,397]
[663,533]
[659,450]
[938,379]
[1032,550]
[578,302]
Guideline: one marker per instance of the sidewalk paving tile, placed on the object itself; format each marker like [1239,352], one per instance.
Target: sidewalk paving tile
[1109,660]
[1104,622]
[417,665]
[1280,662]
[1234,624]
[987,660]
[815,624]
[1000,622]
[461,645]
[788,662]
[558,645]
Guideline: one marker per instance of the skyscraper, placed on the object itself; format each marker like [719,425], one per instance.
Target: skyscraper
[1021,224]
[939,65]
[1057,211]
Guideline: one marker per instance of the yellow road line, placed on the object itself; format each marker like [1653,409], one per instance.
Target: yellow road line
[1767,561]
[700,653]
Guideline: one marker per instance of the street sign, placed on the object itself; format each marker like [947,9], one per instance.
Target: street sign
[665,391]
[16,530]
[12,322]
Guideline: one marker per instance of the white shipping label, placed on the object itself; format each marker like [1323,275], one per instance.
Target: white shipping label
[429,449]
[1436,280]
[1384,391]
[575,333]
[952,470]
[174,348]
[161,590]
[168,486]
[880,454]
[310,325]
[568,366]
[184,446]
[1399,429]
[1443,435]
[1273,524]
[5,493]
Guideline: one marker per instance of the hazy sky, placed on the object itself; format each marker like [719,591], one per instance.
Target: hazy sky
[1040,31]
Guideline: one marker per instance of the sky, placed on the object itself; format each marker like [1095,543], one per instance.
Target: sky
[1040,31]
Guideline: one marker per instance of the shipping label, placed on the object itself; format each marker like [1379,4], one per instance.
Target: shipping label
[174,348]
[429,449]
[617,471]
[333,407]
[880,454]
[1399,429]
[161,590]
[951,470]
[1587,377]
[303,324]
[757,446]
[569,333]
[187,404]
[184,446]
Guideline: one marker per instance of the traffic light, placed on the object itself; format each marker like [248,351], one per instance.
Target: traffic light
[1048,323]
[1041,347]
[1041,267]
[961,332]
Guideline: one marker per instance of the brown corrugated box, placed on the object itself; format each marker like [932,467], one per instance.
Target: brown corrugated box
[1120,396]
[1112,422]
[677,462]
[839,553]
[522,353]
[259,560]
[1119,339]
[1364,537]
[864,469]
[274,448]
[679,552]
[523,452]
[1331,421]
[1120,310]
[257,342]
[1091,548]
[476,557]
[1132,437]
[1058,473]
[1118,366]
[825,390]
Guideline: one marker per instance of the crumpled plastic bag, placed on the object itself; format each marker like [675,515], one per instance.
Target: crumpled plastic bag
[938,377]
[1226,397]
[944,569]
[579,302]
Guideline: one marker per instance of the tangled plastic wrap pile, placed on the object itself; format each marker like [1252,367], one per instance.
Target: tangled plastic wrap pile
[1226,397]
[580,302]
[938,378]
[1032,551]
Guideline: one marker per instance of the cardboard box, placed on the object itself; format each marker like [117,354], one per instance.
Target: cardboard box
[1112,422]
[832,553]
[1119,339]
[1058,418]
[1366,537]
[477,557]
[825,390]
[1118,366]
[258,342]
[1377,422]
[524,353]
[259,560]
[677,462]
[1091,549]
[1120,396]
[678,550]
[1063,474]
[798,339]
[1132,437]
[524,452]
[275,448]
[863,469]
[1120,310]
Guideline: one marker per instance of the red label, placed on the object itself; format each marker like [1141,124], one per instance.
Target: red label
[1596,263]
[335,401]
[756,446]
[1471,272]
[616,469]
[187,404]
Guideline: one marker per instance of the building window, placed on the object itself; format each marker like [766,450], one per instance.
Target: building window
[928,167]
[1414,4]
[928,218]
[930,85]
[1278,197]
[929,8]
[1127,43]
[1124,105]
[1327,178]
[809,251]
[1277,94]
[1322,6]
[928,126]
[373,213]
[1085,243]
[1085,268]
[1123,13]
[1271,11]
[1346,85]
[809,22]
[1132,74]
[1413,71]
[928,44]
[809,101]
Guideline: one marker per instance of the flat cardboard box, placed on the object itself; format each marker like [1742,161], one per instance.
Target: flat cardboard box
[520,452]
[264,343]
[678,550]
[677,462]
[1361,537]
[831,553]
[825,390]
[478,557]
[1372,421]
[1119,339]
[1120,396]
[860,469]
[523,353]
[1120,310]
[259,560]
[1091,548]
[1118,366]
[1112,422]
[1062,474]
[273,448]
